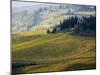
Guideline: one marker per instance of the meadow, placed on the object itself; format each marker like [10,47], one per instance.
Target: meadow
[37,51]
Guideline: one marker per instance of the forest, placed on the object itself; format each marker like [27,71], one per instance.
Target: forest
[85,26]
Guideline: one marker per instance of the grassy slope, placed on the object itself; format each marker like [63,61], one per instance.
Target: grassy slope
[52,52]
[88,13]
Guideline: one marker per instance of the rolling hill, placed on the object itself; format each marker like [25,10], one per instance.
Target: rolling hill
[35,50]
[28,18]
[52,52]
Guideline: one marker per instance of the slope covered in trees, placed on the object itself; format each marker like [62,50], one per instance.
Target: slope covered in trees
[78,25]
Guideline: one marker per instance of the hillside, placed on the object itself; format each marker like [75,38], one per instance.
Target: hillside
[29,18]
[52,37]
[52,52]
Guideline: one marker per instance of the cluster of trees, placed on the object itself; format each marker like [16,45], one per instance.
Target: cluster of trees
[86,26]
[69,23]
[80,26]
[54,29]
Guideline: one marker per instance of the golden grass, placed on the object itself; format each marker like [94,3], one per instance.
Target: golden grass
[37,32]
[88,13]
[54,52]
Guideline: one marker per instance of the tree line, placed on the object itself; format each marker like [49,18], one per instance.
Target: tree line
[85,25]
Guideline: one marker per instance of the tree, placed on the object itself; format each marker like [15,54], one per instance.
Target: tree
[85,25]
[69,23]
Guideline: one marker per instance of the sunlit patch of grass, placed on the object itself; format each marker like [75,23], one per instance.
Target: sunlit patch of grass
[88,13]
[37,32]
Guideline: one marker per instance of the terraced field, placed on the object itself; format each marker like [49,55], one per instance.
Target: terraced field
[33,53]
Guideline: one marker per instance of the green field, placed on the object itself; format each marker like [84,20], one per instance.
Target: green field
[32,52]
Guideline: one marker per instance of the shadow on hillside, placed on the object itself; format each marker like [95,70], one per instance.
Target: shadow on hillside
[80,67]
